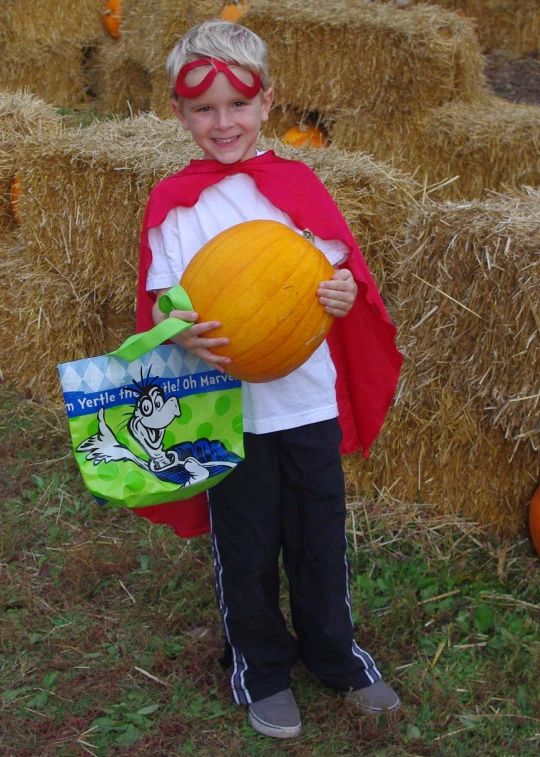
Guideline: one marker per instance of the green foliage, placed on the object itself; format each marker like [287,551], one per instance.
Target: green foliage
[75,118]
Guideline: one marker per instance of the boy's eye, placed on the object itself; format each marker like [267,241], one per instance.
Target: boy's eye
[204,109]
[239,103]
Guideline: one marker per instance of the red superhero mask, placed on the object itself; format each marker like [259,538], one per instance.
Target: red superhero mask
[184,90]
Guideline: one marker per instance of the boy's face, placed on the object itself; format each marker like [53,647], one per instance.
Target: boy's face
[222,121]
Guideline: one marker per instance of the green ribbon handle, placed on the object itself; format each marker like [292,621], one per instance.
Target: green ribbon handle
[135,346]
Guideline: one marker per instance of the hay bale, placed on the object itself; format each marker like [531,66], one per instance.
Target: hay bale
[85,196]
[86,191]
[150,30]
[49,20]
[509,25]
[469,309]
[45,46]
[463,433]
[21,114]
[54,71]
[160,99]
[121,85]
[118,325]
[44,320]
[489,144]
[442,452]
[344,55]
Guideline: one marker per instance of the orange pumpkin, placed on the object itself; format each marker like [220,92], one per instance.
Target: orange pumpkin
[15,195]
[534,519]
[298,136]
[234,11]
[111,17]
[259,279]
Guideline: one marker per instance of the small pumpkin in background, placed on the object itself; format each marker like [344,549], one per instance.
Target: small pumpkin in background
[111,18]
[234,11]
[14,196]
[259,279]
[299,136]
[534,520]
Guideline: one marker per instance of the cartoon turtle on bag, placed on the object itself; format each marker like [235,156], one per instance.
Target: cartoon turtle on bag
[184,464]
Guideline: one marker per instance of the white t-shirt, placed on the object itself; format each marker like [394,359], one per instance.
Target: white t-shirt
[307,395]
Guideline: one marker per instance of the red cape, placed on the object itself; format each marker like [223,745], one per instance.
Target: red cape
[362,345]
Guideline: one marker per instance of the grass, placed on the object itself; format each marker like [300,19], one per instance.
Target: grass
[86,115]
[111,638]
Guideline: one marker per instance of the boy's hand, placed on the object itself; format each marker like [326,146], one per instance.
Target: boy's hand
[194,340]
[338,294]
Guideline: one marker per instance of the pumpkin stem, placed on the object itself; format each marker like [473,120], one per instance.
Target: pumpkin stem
[307,234]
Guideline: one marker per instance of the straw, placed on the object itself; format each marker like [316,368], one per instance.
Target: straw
[87,190]
[488,144]
[52,70]
[44,320]
[50,20]
[44,46]
[151,29]
[470,311]
[440,450]
[121,85]
[325,56]
[509,25]
[21,114]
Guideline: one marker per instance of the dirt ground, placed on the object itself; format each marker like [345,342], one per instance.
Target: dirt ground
[515,79]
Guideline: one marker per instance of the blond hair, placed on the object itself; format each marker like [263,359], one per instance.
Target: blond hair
[223,40]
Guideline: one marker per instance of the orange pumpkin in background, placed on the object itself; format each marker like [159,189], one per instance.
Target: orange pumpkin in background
[298,136]
[259,279]
[111,18]
[14,196]
[534,520]
[234,11]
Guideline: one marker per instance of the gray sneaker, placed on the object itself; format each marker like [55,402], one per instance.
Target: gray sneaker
[276,716]
[375,699]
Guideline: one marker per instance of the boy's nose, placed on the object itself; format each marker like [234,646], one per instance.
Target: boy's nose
[223,119]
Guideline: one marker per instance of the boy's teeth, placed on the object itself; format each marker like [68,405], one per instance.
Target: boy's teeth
[225,141]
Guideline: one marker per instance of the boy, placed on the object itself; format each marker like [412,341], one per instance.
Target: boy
[288,495]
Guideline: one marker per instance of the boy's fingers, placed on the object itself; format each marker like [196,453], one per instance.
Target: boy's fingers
[193,339]
[199,328]
[336,309]
[337,284]
[207,344]
[342,274]
[196,334]
[216,360]
[184,315]
[341,280]
[336,297]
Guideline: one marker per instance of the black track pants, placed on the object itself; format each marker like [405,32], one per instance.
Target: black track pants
[287,495]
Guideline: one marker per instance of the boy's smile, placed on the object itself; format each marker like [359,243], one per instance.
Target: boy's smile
[224,122]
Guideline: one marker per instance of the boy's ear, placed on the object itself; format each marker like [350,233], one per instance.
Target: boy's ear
[268,99]
[178,112]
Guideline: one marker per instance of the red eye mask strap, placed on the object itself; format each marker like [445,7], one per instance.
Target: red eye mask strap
[182,89]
